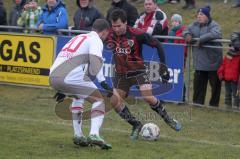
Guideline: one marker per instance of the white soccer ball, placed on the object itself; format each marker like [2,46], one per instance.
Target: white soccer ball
[150,132]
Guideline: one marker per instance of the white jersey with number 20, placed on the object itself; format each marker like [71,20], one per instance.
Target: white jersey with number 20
[84,44]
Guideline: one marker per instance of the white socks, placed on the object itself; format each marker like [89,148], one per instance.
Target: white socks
[97,116]
[77,109]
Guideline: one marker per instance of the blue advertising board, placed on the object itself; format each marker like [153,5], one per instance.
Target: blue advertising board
[174,54]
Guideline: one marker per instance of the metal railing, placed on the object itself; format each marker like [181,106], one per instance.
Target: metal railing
[71,32]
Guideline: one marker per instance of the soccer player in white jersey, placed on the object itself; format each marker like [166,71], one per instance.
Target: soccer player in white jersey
[72,73]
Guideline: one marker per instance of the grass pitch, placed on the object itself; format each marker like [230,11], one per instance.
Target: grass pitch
[30,129]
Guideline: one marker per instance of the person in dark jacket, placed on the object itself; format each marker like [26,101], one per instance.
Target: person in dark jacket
[16,13]
[54,16]
[3,15]
[85,15]
[189,4]
[237,4]
[206,61]
[131,11]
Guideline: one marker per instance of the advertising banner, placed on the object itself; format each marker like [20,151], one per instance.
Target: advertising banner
[26,59]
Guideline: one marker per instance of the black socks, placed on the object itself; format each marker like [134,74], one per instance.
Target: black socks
[126,115]
[160,110]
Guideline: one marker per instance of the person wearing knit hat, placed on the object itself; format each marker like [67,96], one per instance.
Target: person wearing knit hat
[206,11]
[206,61]
[176,26]
[177,29]
[203,15]
[176,18]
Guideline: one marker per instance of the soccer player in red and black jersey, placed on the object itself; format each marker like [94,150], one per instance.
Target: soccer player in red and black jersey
[126,45]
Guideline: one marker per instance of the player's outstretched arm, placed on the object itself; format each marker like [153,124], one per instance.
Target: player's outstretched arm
[163,71]
[153,42]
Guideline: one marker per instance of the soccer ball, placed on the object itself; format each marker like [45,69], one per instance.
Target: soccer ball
[150,132]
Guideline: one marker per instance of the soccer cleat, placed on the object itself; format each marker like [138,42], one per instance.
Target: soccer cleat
[135,132]
[80,141]
[97,140]
[174,124]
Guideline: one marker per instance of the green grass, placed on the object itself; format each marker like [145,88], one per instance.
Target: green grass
[30,129]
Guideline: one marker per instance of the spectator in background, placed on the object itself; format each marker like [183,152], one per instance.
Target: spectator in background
[206,61]
[85,15]
[229,71]
[16,12]
[3,15]
[173,1]
[29,16]
[177,29]
[237,4]
[153,20]
[130,10]
[54,16]
[189,4]
[137,1]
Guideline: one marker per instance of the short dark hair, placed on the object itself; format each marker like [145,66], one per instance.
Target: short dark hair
[154,1]
[100,25]
[118,14]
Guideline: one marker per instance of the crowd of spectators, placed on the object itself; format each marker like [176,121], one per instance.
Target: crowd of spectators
[153,20]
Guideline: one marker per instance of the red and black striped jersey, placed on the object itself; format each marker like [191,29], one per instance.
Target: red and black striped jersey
[127,49]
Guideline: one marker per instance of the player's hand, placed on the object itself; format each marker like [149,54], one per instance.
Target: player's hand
[40,27]
[164,73]
[59,97]
[107,88]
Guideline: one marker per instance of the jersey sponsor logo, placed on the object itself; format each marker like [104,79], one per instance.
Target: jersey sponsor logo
[120,50]
[130,42]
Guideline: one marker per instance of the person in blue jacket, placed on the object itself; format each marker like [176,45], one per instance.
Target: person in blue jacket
[54,16]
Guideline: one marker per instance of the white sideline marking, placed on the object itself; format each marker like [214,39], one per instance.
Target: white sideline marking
[116,130]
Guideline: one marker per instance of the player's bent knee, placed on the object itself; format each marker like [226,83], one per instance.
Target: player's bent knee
[115,101]
[77,106]
[98,108]
[148,99]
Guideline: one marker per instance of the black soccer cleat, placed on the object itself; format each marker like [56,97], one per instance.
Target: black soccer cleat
[135,132]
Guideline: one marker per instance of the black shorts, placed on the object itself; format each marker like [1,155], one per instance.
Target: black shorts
[125,81]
